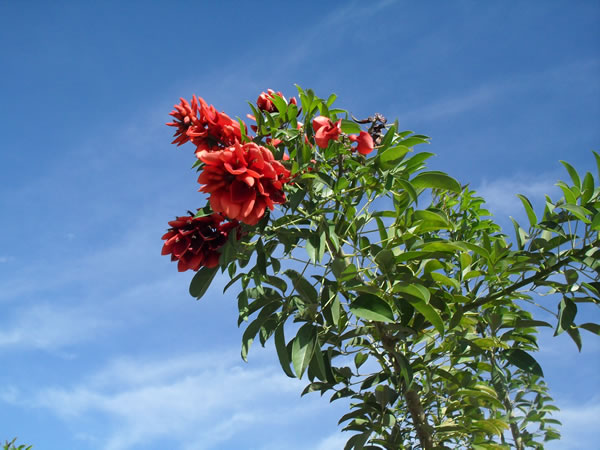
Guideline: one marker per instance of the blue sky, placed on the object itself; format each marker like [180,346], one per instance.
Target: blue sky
[102,347]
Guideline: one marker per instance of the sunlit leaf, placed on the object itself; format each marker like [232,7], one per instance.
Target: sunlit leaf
[528,209]
[303,348]
[392,156]
[436,180]
[573,174]
[429,313]
[372,307]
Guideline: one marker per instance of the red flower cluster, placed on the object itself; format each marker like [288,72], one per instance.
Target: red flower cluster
[242,181]
[365,142]
[325,130]
[196,241]
[203,125]
[265,103]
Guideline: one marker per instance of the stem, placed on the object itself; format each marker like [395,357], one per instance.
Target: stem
[418,417]
[413,401]
[505,398]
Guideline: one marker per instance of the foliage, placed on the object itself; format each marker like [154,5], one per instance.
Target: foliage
[391,286]
[12,446]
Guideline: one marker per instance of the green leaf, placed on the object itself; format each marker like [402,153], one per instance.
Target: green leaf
[391,157]
[429,313]
[359,359]
[573,174]
[317,365]
[201,281]
[527,323]
[412,141]
[282,352]
[528,209]
[588,188]
[385,260]
[432,220]
[303,348]
[591,327]
[388,138]
[596,222]
[520,234]
[409,189]
[277,282]
[597,156]
[330,100]
[578,211]
[456,317]
[372,307]
[524,361]
[567,310]
[443,279]
[302,286]
[349,126]
[280,104]
[574,333]
[570,197]
[250,333]
[415,290]
[383,236]
[436,180]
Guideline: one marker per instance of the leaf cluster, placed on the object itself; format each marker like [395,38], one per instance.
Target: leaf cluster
[390,286]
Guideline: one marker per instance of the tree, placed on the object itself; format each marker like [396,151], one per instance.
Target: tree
[400,291]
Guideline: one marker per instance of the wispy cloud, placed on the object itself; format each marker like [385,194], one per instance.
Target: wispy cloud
[487,93]
[580,426]
[334,441]
[50,327]
[198,400]
[453,105]
[500,193]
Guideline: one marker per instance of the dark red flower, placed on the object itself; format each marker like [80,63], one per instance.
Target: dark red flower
[242,181]
[196,241]
[185,116]
[365,142]
[325,130]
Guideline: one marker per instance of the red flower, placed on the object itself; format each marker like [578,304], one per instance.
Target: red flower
[365,142]
[185,116]
[242,181]
[265,103]
[196,242]
[326,130]
[202,124]
[215,130]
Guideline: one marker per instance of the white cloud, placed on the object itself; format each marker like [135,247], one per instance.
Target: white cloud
[475,97]
[580,426]
[334,441]
[49,327]
[202,399]
[450,106]
[500,194]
